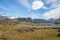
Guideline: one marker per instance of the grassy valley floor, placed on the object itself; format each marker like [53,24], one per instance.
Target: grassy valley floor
[41,34]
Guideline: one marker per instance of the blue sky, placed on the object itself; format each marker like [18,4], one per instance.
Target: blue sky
[44,9]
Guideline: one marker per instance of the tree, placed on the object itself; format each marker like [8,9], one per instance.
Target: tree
[57,21]
[21,19]
[28,19]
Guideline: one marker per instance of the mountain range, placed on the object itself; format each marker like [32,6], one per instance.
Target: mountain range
[5,16]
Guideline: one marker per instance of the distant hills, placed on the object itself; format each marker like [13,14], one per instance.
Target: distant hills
[6,17]
[52,20]
[40,21]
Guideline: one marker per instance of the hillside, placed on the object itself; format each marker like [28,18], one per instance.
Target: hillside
[27,29]
[22,31]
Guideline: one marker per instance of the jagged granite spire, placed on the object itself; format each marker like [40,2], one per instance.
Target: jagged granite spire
[4,16]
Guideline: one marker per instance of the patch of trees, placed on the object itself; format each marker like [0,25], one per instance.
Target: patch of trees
[58,32]
[40,21]
[57,21]
[33,20]
[24,19]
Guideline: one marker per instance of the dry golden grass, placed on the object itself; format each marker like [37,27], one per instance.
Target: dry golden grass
[42,34]
[8,32]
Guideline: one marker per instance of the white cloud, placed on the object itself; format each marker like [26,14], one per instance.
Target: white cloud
[50,1]
[52,4]
[37,5]
[3,7]
[44,7]
[12,17]
[55,13]
[54,9]
[34,15]
[25,3]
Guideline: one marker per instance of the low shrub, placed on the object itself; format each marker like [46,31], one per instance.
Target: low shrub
[58,35]
[26,29]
